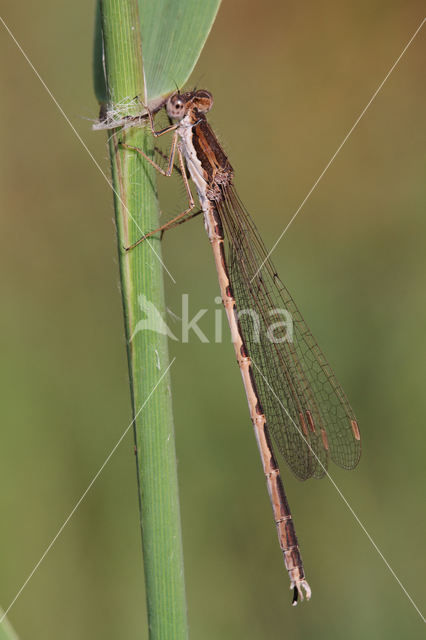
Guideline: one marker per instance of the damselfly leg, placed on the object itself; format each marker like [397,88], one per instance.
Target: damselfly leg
[167,173]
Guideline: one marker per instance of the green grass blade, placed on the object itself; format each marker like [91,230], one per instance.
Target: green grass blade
[173,34]
[141,280]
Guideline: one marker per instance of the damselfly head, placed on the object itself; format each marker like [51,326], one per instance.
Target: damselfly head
[179,104]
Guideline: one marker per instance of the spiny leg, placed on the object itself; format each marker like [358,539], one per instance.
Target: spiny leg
[167,174]
[175,224]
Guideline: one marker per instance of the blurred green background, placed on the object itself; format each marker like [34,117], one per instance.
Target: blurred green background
[289,81]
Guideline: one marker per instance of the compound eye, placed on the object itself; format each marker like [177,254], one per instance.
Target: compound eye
[175,107]
[204,100]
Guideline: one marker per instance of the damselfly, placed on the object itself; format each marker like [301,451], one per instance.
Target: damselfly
[291,389]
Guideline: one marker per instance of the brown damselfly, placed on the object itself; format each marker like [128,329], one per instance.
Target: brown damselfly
[291,389]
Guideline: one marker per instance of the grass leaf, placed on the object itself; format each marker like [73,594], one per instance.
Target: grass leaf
[173,34]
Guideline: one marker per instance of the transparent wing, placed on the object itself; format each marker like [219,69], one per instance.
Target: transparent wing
[306,409]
